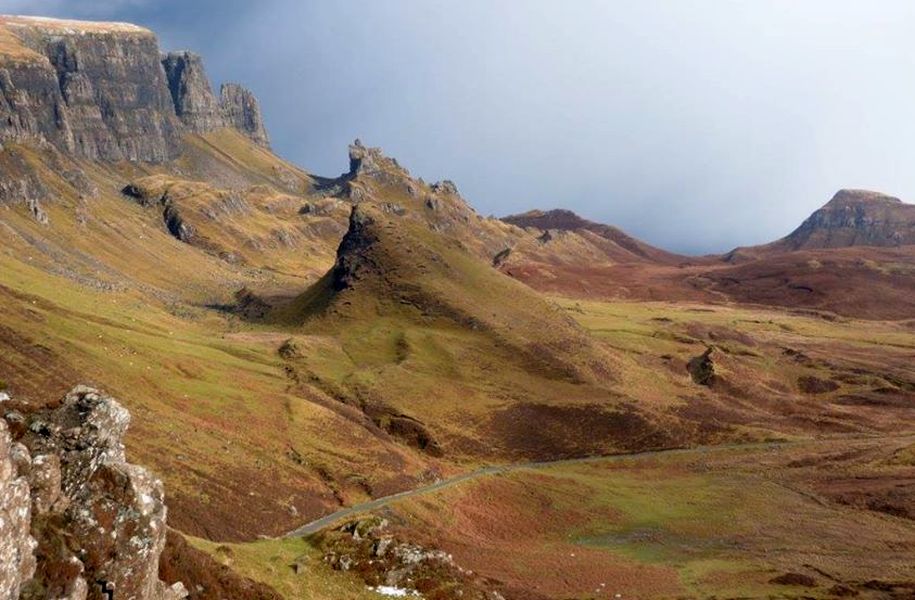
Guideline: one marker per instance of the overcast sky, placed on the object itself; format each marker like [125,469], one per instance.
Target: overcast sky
[695,125]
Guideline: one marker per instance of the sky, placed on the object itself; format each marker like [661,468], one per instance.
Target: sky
[697,126]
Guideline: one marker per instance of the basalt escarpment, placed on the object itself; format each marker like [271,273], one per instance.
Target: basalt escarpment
[79,522]
[103,92]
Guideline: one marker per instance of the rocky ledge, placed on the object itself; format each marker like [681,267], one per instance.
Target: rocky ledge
[76,520]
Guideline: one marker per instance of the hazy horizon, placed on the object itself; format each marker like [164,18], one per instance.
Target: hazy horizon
[696,126]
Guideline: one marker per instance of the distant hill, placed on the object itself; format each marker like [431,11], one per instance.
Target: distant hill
[854,256]
[613,242]
[854,218]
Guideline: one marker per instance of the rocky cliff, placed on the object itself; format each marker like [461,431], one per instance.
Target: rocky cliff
[241,110]
[103,92]
[855,218]
[195,104]
[76,520]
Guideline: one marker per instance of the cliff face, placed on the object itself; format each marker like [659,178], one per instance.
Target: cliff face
[103,92]
[99,93]
[242,111]
[855,218]
[195,103]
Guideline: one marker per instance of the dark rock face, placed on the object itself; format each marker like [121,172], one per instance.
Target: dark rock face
[194,101]
[855,218]
[242,111]
[702,369]
[351,260]
[95,522]
[107,94]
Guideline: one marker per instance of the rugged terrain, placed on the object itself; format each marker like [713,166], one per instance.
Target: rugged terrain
[291,344]
[854,257]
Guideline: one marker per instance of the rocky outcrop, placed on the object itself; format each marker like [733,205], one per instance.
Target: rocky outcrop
[372,162]
[854,218]
[242,111]
[96,522]
[195,104]
[352,259]
[701,368]
[17,563]
[102,91]
[373,550]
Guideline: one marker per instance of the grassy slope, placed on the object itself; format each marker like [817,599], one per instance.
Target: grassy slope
[719,523]
[273,563]
[430,331]
[250,442]
[105,295]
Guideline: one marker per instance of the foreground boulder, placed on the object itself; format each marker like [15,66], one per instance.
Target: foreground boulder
[77,521]
[17,564]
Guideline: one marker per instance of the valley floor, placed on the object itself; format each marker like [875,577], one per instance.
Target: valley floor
[759,521]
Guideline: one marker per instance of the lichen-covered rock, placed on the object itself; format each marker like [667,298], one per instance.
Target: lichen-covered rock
[17,563]
[242,111]
[99,522]
[375,551]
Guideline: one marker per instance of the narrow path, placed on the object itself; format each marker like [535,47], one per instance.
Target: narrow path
[327,521]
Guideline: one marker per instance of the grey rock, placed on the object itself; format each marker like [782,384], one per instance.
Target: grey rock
[702,369]
[195,104]
[103,520]
[100,95]
[17,562]
[241,110]
[109,95]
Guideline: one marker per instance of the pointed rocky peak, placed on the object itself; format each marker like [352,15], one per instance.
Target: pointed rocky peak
[854,218]
[398,267]
[351,254]
[242,111]
[365,160]
[195,103]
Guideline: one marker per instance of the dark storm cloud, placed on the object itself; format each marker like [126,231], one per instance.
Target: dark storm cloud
[697,125]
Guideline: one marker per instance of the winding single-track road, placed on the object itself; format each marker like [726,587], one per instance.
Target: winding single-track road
[331,519]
